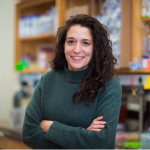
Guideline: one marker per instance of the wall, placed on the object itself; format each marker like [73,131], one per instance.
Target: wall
[8,77]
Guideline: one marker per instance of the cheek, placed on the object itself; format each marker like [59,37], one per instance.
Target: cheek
[67,49]
[91,53]
[64,47]
[66,52]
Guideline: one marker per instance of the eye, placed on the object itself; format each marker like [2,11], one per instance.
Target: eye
[71,42]
[86,43]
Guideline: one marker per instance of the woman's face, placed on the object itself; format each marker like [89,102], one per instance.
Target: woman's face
[78,47]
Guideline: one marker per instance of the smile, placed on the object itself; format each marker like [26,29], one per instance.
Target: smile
[78,58]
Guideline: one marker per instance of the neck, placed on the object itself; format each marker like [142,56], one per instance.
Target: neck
[74,76]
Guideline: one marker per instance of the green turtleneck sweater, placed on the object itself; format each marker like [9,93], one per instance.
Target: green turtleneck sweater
[52,100]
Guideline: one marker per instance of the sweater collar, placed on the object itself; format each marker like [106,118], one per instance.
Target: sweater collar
[74,76]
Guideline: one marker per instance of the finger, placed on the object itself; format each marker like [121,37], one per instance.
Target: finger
[98,126]
[40,124]
[96,130]
[99,122]
[99,118]
[41,127]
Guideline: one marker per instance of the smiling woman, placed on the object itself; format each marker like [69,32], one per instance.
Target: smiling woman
[76,105]
[78,47]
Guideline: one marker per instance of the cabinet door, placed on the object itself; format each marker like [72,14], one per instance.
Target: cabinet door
[137,31]
[126,33]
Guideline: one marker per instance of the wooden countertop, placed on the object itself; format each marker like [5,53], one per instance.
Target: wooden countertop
[9,138]
[6,130]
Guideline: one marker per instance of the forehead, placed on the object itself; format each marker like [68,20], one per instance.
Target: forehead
[78,31]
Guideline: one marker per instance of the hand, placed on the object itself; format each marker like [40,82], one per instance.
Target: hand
[97,125]
[45,125]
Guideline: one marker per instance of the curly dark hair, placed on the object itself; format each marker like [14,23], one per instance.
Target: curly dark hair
[101,66]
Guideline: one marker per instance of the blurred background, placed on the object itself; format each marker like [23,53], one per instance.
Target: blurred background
[27,35]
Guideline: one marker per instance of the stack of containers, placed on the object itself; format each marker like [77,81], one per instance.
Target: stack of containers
[112,20]
[146,52]
[145,13]
[145,9]
[38,24]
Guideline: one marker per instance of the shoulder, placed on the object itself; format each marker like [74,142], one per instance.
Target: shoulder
[49,76]
[113,84]
[112,92]
[113,87]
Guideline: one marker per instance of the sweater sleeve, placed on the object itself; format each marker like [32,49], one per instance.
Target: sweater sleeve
[32,135]
[81,138]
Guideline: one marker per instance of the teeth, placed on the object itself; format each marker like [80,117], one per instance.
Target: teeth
[77,57]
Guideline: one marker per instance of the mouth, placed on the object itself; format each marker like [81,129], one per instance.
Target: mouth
[77,58]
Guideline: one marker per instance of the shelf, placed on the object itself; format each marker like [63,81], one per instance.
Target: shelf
[145,19]
[119,71]
[33,72]
[38,37]
[129,71]
[29,4]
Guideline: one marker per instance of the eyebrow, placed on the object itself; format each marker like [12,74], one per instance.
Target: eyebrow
[74,38]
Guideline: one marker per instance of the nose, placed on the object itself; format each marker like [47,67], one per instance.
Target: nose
[77,48]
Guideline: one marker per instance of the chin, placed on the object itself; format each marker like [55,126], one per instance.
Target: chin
[78,69]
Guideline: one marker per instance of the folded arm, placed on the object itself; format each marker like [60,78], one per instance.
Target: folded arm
[60,135]
[76,137]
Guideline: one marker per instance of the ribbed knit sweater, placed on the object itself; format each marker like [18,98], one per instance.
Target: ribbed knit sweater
[52,100]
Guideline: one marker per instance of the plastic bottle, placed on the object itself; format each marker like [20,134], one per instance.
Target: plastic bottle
[17,112]
[148,131]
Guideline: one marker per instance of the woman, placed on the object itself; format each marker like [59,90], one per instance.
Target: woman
[70,101]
